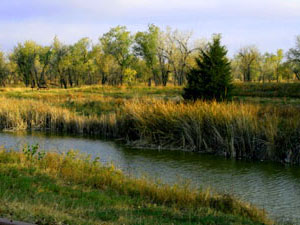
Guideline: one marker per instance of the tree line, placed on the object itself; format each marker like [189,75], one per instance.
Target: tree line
[154,56]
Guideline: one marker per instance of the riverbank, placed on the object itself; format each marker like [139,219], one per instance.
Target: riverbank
[236,130]
[72,189]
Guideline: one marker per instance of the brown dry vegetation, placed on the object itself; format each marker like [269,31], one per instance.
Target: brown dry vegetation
[237,130]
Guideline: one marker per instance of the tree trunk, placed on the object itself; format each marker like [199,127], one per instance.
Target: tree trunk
[165,77]
[103,78]
[70,78]
[248,74]
[297,75]
[149,82]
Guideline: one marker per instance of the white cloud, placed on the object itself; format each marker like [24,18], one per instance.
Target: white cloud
[270,24]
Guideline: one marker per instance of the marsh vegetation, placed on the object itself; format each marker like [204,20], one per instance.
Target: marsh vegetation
[158,117]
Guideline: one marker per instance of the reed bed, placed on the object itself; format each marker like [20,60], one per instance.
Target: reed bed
[230,129]
[81,170]
[23,114]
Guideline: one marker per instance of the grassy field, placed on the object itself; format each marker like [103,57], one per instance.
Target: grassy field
[48,188]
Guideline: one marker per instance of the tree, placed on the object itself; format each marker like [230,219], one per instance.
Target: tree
[4,71]
[32,61]
[211,79]
[80,63]
[266,67]
[117,42]
[24,56]
[60,61]
[146,47]
[247,57]
[293,56]
[178,52]
[106,65]
[278,62]
[163,60]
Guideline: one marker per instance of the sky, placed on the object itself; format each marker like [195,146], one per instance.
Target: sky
[267,24]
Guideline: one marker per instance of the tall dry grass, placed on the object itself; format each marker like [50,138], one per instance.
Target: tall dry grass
[230,129]
[23,114]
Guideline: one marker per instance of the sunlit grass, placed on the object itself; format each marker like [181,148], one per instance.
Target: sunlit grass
[73,189]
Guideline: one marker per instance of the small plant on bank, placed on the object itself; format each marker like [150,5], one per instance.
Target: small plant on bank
[32,152]
[211,79]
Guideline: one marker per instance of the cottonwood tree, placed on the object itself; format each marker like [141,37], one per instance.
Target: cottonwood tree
[42,64]
[32,61]
[24,56]
[286,71]
[265,67]
[106,65]
[293,56]
[178,52]
[146,46]
[278,62]
[4,69]
[80,68]
[247,58]
[117,42]
[60,61]
[163,60]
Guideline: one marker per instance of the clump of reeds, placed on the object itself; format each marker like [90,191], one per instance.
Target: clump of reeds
[16,114]
[230,129]
[79,169]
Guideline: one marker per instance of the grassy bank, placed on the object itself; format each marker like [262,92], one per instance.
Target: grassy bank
[72,189]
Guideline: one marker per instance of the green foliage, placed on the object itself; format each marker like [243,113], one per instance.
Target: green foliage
[162,56]
[32,61]
[247,60]
[294,58]
[129,76]
[4,69]
[32,152]
[117,42]
[146,47]
[211,79]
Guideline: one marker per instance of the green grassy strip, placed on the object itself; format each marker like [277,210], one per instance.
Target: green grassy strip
[71,189]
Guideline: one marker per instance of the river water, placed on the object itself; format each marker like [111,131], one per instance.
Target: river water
[271,186]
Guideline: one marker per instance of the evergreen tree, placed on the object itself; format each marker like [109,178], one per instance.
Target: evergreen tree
[211,79]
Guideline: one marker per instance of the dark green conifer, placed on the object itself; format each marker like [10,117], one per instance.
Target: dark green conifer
[211,78]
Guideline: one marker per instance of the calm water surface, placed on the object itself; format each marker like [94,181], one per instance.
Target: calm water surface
[271,186]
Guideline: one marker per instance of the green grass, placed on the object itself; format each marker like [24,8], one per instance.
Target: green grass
[57,189]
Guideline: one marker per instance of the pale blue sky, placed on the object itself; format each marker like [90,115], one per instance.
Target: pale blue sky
[268,24]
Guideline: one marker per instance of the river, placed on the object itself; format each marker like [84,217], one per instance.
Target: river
[271,186]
